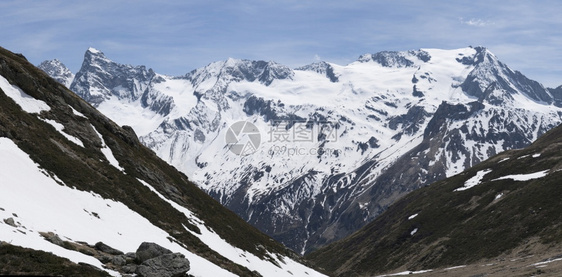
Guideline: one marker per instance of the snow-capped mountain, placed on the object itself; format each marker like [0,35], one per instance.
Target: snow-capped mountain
[75,185]
[58,71]
[337,144]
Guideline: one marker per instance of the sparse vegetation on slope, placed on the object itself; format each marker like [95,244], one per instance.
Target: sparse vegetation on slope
[15,260]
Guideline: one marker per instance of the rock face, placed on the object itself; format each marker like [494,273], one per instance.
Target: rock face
[100,78]
[107,249]
[156,261]
[53,238]
[149,250]
[150,260]
[339,144]
[58,71]
[167,265]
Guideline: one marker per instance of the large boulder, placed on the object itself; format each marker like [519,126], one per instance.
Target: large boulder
[107,249]
[149,250]
[167,265]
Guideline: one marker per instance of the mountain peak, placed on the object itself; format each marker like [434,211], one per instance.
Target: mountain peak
[323,68]
[58,71]
[241,69]
[396,58]
[94,51]
[93,54]
[100,78]
[494,82]
[230,62]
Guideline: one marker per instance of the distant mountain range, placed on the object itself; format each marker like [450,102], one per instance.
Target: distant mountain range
[81,196]
[312,154]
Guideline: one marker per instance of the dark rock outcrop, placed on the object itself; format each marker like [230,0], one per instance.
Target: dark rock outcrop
[10,221]
[107,249]
[167,265]
[149,250]
[323,68]
[150,260]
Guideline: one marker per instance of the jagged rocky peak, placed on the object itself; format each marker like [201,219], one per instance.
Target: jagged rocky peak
[239,70]
[58,71]
[94,57]
[95,52]
[477,55]
[396,58]
[272,70]
[100,78]
[494,82]
[323,68]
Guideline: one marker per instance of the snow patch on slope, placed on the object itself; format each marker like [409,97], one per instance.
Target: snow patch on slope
[107,152]
[75,112]
[407,273]
[474,181]
[26,102]
[60,128]
[524,177]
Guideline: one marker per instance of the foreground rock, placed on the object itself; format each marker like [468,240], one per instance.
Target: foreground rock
[157,261]
[107,249]
[167,265]
[149,250]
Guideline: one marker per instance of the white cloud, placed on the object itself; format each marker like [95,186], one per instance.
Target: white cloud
[476,22]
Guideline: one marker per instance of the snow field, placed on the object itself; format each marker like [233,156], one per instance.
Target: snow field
[43,205]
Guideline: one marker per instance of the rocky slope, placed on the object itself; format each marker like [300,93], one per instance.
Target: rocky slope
[83,194]
[337,144]
[501,215]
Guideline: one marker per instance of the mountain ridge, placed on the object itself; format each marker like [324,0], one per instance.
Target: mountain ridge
[391,113]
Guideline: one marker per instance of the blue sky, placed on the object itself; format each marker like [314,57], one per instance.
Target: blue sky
[175,37]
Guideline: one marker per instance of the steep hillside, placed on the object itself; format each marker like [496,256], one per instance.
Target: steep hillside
[507,206]
[333,146]
[77,185]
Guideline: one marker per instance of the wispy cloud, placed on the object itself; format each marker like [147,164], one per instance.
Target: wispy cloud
[476,22]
